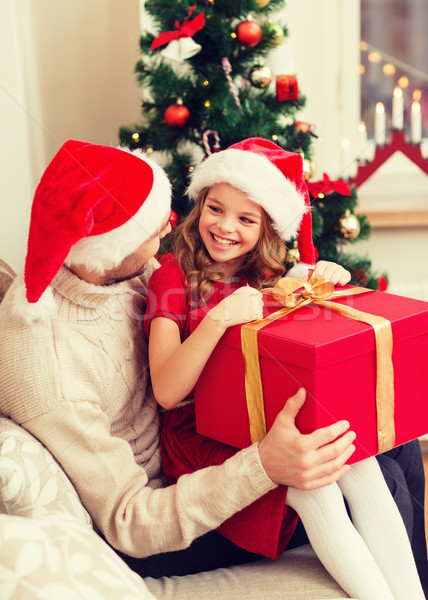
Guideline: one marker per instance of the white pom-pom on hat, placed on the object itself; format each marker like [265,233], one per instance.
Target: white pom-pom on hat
[43,308]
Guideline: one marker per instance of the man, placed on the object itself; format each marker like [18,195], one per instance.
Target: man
[75,371]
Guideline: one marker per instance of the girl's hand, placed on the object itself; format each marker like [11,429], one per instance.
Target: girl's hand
[332,272]
[243,306]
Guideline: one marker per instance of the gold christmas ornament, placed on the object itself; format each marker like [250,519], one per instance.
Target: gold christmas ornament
[278,35]
[293,255]
[309,168]
[262,3]
[349,225]
[260,76]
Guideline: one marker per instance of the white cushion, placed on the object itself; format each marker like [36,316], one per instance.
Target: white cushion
[32,484]
[61,558]
[7,275]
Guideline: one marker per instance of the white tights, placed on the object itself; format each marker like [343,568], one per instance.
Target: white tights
[371,558]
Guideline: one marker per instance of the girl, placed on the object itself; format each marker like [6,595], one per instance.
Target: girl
[249,198]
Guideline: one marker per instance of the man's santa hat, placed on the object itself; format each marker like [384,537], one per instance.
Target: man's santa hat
[270,177]
[94,206]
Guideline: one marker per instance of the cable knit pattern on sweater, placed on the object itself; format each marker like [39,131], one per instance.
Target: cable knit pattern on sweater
[79,382]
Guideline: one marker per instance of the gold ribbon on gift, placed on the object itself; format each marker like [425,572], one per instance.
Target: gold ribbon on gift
[294,294]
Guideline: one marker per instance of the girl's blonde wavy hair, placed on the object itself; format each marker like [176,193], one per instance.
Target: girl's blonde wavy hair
[263,266]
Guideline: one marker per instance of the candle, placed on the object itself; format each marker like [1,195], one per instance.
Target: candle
[397,109]
[362,131]
[345,159]
[380,135]
[416,123]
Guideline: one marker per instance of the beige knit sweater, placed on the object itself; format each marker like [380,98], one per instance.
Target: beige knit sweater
[79,382]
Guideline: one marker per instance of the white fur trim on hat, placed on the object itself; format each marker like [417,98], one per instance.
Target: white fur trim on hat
[99,252]
[260,180]
[300,270]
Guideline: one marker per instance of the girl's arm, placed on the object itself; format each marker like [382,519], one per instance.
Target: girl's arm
[175,366]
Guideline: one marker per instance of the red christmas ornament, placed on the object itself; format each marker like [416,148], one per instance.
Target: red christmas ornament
[382,283]
[301,126]
[173,219]
[177,115]
[286,88]
[249,33]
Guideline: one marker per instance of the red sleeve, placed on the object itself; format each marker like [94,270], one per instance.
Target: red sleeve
[166,295]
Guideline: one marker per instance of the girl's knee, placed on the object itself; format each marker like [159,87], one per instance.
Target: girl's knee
[325,498]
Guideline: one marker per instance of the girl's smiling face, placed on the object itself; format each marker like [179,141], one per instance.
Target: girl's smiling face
[229,225]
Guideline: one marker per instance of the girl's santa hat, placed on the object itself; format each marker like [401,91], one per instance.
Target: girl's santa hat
[94,206]
[272,178]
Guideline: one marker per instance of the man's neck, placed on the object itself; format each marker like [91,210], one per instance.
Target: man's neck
[90,276]
[109,277]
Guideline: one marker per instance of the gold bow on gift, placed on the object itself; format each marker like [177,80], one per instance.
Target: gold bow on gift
[294,294]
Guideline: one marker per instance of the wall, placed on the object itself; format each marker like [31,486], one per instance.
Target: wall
[324,37]
[16,150]
[396,199]
[66,71]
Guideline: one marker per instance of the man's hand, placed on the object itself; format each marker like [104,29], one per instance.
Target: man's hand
[305,461]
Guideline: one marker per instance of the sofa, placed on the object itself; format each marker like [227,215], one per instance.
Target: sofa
[49,548]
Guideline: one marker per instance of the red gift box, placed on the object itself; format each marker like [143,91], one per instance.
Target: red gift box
[334,358]
[287,88]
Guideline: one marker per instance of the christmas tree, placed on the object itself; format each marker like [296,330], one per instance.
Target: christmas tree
[206,86]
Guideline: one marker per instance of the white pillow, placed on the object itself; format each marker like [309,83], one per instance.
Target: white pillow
[7,275]
[32,484]
[60,558]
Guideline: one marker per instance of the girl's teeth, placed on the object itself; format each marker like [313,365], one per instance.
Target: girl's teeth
[223,242]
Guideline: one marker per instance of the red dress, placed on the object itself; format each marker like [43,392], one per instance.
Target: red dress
[266,526]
